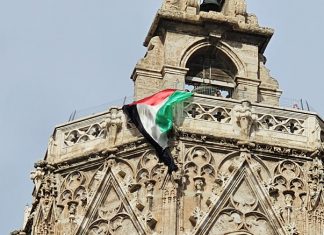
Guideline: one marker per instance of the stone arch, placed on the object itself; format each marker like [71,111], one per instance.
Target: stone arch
[233,160]
[223,47]
[227,158]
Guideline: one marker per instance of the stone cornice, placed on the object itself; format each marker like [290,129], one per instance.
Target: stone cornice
[263,33]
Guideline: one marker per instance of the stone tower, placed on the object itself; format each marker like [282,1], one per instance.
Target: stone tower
[246,165]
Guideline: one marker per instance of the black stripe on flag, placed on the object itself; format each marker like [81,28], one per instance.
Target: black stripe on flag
[164,155]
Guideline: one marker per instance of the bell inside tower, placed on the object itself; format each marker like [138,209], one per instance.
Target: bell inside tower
[212,5]
[211,72]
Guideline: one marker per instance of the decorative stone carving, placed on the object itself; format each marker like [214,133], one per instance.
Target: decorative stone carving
[73,198]
[218,188]
[150,174]
[112,212]
[150,169]
[245,119]
[199,176]
[240,209]
[289,192]
[196,216]
[111,217]
[45,212]
[114,123]
[282,150]
[85,134]
[42,168]
[287,125]
[37,176]
[206,112]
[150,220]
[292,230]
[171,188]
[316,182]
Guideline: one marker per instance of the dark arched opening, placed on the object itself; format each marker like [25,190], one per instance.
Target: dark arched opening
[211,72]
[212,5]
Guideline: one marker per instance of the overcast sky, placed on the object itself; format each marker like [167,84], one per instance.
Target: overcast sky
[60,55]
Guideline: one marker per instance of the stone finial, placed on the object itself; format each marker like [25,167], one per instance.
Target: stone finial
[245,118]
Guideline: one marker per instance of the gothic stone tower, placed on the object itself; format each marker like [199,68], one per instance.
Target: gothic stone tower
[246,165]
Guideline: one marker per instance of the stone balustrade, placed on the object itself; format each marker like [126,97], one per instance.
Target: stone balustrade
[203,115]
[217,117]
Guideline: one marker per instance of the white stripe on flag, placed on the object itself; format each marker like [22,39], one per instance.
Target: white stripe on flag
[147,115]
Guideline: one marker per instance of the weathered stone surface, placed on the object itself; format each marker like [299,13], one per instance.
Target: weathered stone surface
[246,165]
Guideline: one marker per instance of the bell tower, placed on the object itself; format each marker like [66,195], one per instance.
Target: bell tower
[215,47]
[246,166]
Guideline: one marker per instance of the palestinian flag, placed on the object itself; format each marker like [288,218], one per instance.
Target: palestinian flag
[153,117]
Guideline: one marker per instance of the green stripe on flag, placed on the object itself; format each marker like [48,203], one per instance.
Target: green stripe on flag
[164,117]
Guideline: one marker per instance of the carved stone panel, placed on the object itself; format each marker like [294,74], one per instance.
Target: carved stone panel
[243,208]
[110,212]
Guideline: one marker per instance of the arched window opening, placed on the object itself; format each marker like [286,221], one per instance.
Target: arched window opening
[211,72]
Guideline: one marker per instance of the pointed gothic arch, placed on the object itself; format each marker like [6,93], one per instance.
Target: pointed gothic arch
[231,159]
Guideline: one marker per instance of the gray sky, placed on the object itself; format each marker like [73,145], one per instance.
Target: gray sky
[58,56]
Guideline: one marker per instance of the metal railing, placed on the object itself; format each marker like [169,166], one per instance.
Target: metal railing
[77,114]
[299,104]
